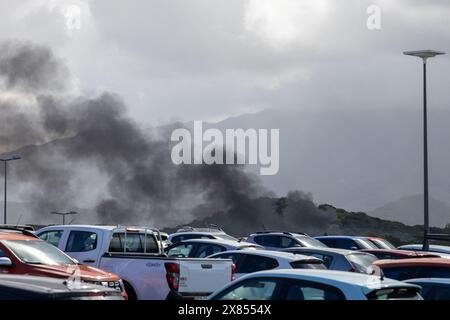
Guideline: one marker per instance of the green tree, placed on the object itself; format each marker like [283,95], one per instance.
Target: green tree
[280,204]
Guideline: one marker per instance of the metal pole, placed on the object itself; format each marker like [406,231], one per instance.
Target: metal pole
[64,219]
[4,203]
[426,222]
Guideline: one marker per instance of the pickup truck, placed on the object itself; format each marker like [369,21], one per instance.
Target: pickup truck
[137,256]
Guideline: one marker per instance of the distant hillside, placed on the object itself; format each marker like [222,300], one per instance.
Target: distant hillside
[409,210]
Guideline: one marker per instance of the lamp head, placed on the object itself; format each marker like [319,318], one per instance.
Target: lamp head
[424,54]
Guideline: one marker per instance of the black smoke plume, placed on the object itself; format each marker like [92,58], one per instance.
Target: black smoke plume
[85,153]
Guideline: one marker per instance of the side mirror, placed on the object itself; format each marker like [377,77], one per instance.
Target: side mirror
[5,262]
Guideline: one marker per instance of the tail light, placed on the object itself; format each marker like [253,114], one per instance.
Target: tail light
[172,274]
[233,272]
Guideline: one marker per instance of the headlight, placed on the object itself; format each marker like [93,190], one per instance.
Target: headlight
[118,285]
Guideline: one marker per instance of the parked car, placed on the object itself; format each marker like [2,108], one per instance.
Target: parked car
[165,242]
[136,255]
[339,259]
[415,268]
[383,254]
[202,248]
[347,242]
[188,233]
[22,253]
[303,284]
[21,287]
[277,240]
[433,248]
[433,288]
[248,261]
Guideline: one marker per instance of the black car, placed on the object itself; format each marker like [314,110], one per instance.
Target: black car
[20,287]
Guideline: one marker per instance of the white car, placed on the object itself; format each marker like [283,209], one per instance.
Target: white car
[188,233]
[136,255]
[248,261]
[202,248]
[303,284]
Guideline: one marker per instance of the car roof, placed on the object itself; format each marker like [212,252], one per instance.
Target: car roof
[340,237]
[212,232]
[432,246]
[16,235]
[393,251]
[279,233]
[413,262]
[222,242]
[323,250]
[271,254]
[367,282]
[445,281]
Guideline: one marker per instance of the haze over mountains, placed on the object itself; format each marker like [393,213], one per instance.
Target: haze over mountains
[360,161]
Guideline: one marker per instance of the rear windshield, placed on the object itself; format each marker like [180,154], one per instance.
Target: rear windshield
[301,264]
[361,262]
[133,243]
[395,294]
[404,273]
[311,242]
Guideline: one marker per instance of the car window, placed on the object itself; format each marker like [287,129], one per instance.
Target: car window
[253,263]
[180,250]
[361,262]
[301,264]
[347,244]
[310,242]
[433,272]
[133,242]
[268,241]
[252,289]
[206,249]
[330,242]
[441,293]
[81,241]
[398,293]
[3,254]
[327,259]
[37,252]
[184,237]
[286,242]
[365,244]
[400,273]
[53,236]
[305,290]
[232,256]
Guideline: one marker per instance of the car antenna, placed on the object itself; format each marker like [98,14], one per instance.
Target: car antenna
[18,221]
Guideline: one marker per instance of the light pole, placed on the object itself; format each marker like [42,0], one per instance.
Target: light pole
[64,214]
[424,55]
[5,161]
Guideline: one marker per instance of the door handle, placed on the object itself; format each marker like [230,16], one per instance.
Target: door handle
[89,261]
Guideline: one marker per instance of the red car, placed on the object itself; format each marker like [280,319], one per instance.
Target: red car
[21,252]
[398,254]
[405,269]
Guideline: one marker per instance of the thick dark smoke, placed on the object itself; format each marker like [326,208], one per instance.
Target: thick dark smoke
[92,157]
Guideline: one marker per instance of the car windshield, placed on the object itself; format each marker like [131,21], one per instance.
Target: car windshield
[37,252]
[225,237]
[311,242]
[367,244]
[361,262]
[382,244]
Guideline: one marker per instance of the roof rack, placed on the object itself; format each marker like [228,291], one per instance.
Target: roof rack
[210,227]
[279,231]
[18,229]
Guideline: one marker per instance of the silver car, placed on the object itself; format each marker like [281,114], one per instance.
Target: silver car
[339,259]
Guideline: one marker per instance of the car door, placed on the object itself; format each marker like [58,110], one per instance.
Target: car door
[82,245]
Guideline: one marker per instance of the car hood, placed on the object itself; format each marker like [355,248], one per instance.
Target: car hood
[86,273]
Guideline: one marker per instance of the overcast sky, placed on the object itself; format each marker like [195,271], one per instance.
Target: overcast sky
[209,59]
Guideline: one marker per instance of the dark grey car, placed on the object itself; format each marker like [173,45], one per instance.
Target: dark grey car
[339,259]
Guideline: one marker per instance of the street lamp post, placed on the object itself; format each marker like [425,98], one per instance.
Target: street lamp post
[424,55]
[64,214]
[5,161]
